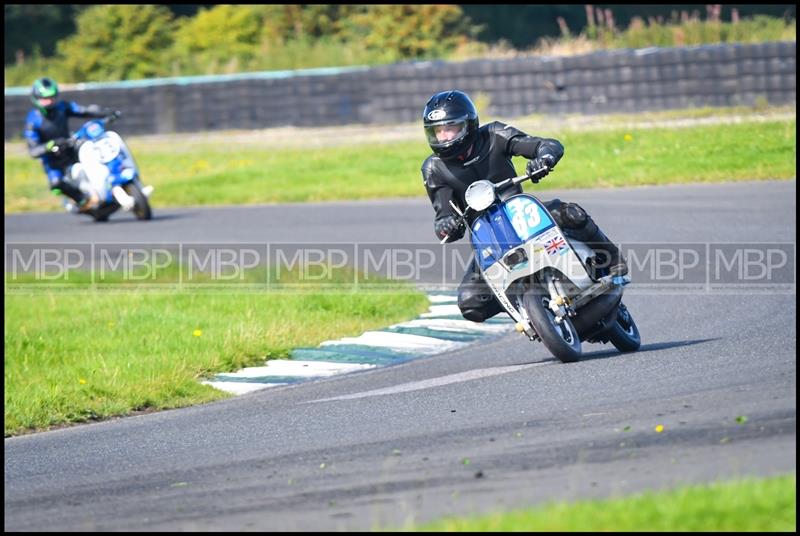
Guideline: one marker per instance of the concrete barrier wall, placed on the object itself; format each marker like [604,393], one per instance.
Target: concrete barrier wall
[601,82]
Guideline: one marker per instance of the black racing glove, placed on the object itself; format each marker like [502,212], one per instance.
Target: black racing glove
[450,226]
[546,161]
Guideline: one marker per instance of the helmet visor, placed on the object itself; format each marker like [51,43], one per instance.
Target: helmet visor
[445,133]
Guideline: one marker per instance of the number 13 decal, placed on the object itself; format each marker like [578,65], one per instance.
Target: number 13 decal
[532,217]
[527,219]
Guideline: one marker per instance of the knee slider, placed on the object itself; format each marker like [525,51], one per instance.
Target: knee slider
[577,223]
[573,216]
[554,205]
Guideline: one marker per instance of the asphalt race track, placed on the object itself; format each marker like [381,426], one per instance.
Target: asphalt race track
[494,426]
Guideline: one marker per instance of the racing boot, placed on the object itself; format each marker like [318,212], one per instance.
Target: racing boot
[577,224]
[475,298]
[89,203]
[609,253]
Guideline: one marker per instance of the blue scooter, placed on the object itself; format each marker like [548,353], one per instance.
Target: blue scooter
[107,171]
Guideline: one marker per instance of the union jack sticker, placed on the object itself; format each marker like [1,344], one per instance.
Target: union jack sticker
[556,246]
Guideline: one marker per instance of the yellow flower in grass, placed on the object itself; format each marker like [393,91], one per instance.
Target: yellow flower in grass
[200,165]
[197,332]
[628,137]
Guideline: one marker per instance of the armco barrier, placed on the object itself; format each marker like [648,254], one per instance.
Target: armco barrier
[601,82]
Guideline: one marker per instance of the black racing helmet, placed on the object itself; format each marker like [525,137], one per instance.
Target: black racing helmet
[451,123]
[44,94]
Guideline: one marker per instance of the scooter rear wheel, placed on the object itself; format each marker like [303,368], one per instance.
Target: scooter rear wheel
[560,339]
[624,334]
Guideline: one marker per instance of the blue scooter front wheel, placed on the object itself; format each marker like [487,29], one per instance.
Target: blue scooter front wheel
[561,339]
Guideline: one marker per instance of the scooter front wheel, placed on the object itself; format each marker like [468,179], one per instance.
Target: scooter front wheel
[561,339]
[141,207]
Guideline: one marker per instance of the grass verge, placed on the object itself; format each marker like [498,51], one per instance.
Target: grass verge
[748,505]
[83,353]
[205,173]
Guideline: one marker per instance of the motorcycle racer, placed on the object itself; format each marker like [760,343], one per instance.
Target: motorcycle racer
[464,152]
[47,135]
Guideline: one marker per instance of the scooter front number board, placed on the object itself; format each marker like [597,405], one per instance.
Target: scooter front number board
[506,226]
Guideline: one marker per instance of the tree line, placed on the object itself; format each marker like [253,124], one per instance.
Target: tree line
[76,43]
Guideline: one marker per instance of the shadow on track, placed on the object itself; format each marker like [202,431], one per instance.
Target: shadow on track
[610,351]
[126,219]
[644,348]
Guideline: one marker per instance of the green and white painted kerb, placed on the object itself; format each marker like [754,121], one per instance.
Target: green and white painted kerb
[441,329]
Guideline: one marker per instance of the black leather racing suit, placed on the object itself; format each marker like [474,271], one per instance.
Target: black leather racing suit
[41,128]
[490,158]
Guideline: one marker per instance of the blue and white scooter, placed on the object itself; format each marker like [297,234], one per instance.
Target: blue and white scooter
[551,286]
[106,169]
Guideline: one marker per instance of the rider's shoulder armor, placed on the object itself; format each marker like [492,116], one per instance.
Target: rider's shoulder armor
[503,130]
[436,173]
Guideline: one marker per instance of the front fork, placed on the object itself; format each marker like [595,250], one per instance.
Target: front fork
[560,303]
[125,201]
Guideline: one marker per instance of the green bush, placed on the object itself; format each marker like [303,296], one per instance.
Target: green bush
[693,31]
[117,42]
